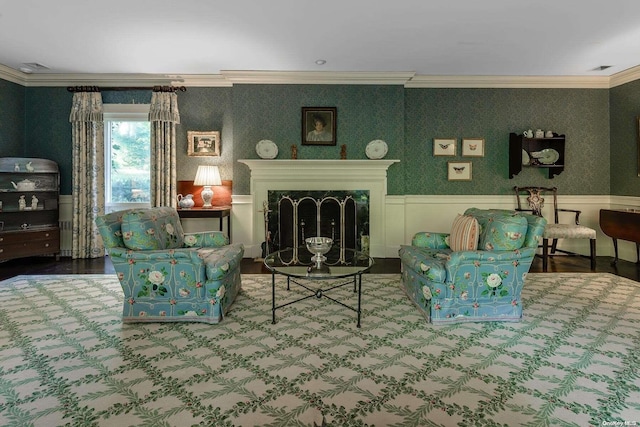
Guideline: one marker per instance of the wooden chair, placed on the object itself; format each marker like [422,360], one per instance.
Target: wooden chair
[531,199]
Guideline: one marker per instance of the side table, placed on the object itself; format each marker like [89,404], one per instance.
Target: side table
[214,212]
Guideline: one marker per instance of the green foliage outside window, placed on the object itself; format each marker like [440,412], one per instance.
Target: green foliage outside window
[130,161]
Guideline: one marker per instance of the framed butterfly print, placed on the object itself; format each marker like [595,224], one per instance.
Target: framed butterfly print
[459,171]
[444,146]
[473,147]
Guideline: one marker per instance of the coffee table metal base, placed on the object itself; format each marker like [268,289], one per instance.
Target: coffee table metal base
[318,293]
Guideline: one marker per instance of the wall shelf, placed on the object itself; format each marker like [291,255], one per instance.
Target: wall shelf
[546,153]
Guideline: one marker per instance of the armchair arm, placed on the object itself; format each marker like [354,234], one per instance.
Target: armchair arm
[577,212]
[468,257]
[125,255]
[207,239]
[432,240]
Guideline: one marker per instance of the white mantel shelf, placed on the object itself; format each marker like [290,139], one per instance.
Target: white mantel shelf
[317,167]
[371,175]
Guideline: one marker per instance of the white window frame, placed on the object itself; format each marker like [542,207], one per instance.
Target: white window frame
[121,113]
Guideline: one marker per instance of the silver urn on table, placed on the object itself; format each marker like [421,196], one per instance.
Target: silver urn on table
[318,246]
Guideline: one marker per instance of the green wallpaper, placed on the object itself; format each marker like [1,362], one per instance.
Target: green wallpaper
[625,109]
[12,119]
[48,131]
[364,113]
[580,114]
[407,119]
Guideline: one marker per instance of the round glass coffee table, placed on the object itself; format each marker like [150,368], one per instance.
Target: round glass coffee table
[342,267]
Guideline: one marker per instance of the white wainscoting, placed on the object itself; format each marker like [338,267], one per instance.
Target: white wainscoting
[406,215]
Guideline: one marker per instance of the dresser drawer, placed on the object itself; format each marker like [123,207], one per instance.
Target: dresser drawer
[26,243]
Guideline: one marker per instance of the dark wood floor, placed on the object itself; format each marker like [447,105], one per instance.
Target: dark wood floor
[47,265]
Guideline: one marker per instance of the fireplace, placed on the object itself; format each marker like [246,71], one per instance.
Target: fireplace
[292,216]
[323,176]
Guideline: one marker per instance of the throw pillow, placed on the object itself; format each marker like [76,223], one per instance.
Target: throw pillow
[152,229]
[464,233]
[502,231]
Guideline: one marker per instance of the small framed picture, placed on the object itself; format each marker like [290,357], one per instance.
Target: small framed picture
[203,143]
[319,125]
[473,147]
[459,171]
[444,146]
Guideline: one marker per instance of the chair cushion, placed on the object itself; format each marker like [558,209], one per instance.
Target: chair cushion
[152,229]
[464,235]
[568,231]
[500,231]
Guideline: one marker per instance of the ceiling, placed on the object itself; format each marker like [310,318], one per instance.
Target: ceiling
[419,37]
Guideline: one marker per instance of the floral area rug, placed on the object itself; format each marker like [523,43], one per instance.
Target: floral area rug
[67,359]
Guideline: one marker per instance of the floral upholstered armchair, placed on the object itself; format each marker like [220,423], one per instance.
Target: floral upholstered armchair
[476,272]
[167,275]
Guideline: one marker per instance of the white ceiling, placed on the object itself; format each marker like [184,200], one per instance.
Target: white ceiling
[425,37]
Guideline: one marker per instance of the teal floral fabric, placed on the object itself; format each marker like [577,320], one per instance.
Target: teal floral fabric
[196,282]
[479,285]
[149,229]
[500,230]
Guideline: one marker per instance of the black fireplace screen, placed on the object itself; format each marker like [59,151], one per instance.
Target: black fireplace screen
[295,215]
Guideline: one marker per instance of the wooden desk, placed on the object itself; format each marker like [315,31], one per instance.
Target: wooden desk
[621,224]
[214,212]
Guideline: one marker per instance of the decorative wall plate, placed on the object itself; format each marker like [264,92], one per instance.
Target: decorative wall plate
[548,156]
[376,149]
[267,149]
[525,157]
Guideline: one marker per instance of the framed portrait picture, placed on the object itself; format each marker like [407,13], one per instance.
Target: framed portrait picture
[444,146]
[203,143]
[459,171]
[319,125]
[473,147]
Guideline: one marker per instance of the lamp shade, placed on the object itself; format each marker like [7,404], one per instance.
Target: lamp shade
[207,175]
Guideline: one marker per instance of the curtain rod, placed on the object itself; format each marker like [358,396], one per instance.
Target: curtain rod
[122,88]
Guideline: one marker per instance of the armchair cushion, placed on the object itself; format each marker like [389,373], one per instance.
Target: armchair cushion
[464,233]
[500,231]
[152,229]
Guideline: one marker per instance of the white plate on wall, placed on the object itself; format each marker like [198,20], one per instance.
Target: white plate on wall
[376,149]
[525,157]
[267,149]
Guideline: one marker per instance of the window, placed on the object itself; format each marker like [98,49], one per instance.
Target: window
[127,143]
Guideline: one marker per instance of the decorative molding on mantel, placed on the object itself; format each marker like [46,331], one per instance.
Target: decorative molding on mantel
[407,78]
[329,170]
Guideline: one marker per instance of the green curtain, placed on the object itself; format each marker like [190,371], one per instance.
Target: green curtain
[164,116]
[87,131]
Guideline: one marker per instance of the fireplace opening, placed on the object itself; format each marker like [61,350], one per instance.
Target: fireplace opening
[292,216]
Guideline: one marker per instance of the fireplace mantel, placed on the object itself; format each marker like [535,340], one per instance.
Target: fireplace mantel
[322,175]
[324,169]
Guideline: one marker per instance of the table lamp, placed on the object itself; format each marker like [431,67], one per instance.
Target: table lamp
[207,176]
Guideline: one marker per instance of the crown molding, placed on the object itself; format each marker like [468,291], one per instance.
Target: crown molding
[407,79]
[318,77]
[51,79]
[11,75]
[557,82]
[625,76]
[200,80]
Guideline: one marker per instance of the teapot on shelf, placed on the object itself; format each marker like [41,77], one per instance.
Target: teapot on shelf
[186,202]
[24,185]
